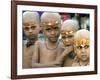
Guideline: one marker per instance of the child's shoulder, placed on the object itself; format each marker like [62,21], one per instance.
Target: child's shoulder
[38,42]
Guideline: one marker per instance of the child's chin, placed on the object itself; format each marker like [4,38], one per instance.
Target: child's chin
[53,40]
[32,37]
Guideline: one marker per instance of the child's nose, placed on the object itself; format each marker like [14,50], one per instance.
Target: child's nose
[30,30]
[52,32]
[83,50]
[67,40]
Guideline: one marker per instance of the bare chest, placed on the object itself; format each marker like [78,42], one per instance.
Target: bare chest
[47,55]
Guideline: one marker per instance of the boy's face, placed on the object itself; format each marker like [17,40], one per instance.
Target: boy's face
[67,37]
[30,29]
[82,49]
[51,31]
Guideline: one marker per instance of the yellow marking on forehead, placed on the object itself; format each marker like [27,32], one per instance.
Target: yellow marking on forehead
[66,32]
[82,42]
[50,24]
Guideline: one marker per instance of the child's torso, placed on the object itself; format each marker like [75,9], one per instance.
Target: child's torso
[47,55]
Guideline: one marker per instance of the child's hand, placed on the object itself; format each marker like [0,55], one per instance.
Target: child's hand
[67,50]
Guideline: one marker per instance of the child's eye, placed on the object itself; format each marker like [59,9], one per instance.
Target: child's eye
[86,46]
[26,28]
[55,28]
[79,47]
[70,36]
[48,29]
[33,27]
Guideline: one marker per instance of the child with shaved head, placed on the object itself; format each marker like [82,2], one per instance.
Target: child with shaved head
[82,48]
[46,52]
[31,24]
[68,29]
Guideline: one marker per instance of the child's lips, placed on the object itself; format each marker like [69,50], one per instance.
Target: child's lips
[83,56]
[53,38]
[67,44]
[32,36]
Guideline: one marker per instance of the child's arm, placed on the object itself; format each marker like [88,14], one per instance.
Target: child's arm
[35,59]
[66,51]
[60,58]
[57,62]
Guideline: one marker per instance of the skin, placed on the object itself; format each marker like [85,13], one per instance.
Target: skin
[49,53]
[27,57]
[67,38]
[31,24]
[82,47]
[68,42]
[31,29]
[50,49]
[83,54]
[69,27]
[52,34]
[43,57]
[47,57]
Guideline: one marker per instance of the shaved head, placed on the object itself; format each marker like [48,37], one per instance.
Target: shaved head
[82,34]
[70,25]
[82,37]
[30,16]
[50,17]
[31,24]
[82,46]
[51,24]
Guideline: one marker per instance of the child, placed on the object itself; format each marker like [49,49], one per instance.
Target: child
[45,53]
[68,29]
[31,26]
[82,48]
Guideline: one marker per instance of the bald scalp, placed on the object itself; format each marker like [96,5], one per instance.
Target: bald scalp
[31,16]
[50,17]
[82,34]
[70,24]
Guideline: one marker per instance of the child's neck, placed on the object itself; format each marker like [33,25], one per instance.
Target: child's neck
[83,63]
[51,46]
